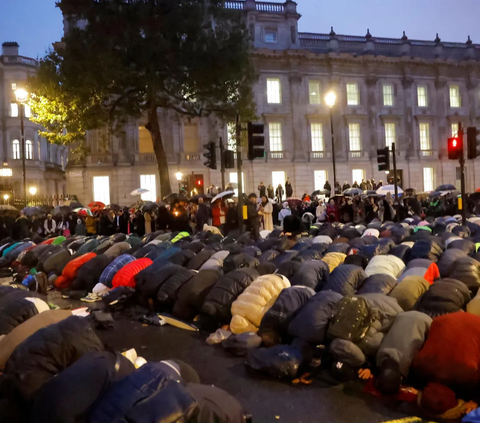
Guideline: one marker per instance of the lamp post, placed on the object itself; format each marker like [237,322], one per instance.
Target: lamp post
[33,191]
[22,96]
[5,198]
[179,176]
[330,99]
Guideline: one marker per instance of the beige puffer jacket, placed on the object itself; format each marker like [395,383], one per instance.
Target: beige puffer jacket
[250,307]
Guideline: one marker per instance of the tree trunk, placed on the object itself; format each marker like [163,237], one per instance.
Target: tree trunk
[154,128]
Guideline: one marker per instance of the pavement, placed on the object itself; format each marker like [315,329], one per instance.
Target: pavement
[269,401]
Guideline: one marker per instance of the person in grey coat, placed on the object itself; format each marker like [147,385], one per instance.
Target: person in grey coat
[399,346]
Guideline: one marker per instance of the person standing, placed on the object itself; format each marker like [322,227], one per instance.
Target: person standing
[363,185]
[262,189]
[338,188]
[50,226]
[346,185]
[327,187]
[148,222]
[279,193]
[121,222]
[266,210]
[270,192]
[218,215]
[288,188]
[80,228]
[202,215]
[355,185]
[231,219]
[369,185]
[253,216]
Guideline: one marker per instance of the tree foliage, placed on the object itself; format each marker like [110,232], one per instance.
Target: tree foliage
[124,59]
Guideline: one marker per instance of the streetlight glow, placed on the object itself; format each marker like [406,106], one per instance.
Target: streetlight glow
[33,190]
[179,176]
[21,95]
[330,99]
[6,197]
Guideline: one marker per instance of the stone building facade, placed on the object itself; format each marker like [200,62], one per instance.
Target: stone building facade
[45,163]
[410,92]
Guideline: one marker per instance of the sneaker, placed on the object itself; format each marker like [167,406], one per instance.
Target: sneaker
[91,298]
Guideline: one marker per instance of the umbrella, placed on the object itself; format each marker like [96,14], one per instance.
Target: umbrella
[320,192]
[410,192]
[97,205]
[7,207]
[435,194]
[222,195]
[368,192]
[446,187]
[114,207]
[149,206]
[61,210]
[85,212]
[197,197]
[170,197]
[475,196]
[31,211]
[139,191]
[388,189]
[72,203]
[352,192]
[294,201]
[477,190]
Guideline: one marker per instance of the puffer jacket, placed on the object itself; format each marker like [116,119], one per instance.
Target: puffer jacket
[373,250]
[49,351]
[346,279]
[334,260]
[284,257]
[474,305]
[216,261]
[15,309]
[117,249]
[126,275]
[401,251]
[45,253]
[464,245]
[380,283]
[192,294]
[90,273]
[167,294]
[358,260]
[307,255]
[444,296]
[153,277]
[195,246]
[199,259]
[341,247]
[467,270]
[111,270]
[219,300]
[426,249]
[56,262]
[289,269]
[312,321]
[421,267]
[409,291]
[252,304]
[388,265]
[104,246]
[313,274]
[88,247]
[404,339]
[274,326]
[268,255]
[450,256]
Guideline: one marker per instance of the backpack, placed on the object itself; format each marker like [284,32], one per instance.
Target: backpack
[352,319]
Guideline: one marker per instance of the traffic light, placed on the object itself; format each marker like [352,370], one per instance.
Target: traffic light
[229,159]
[455,148]
[473,142]
[210,155]
[383,159]
[256,141]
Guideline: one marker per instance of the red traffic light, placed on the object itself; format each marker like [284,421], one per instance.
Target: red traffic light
[454,142]
[455,148]
[199,182]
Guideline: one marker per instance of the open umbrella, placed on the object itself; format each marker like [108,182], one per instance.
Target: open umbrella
[7,207]
[72,203]
[31,211]
[170,197]
[139,191]
[97,205]
[351,192]
[85,212]
[410,192]
[195,198]
[149,206]
[384,190]
[61,210]
[114,207]
[446,187]
[294,201]
[225,194]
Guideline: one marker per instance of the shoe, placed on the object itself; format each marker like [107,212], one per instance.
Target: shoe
[91,298]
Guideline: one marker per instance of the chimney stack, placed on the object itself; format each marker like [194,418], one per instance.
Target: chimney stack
[10,48]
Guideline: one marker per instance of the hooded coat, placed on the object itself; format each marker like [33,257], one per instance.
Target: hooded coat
[467,270]
[313,274]
[167,293]
[450,256]
[15,309]
[409,291]
[251,305]
[389,265]
[421,267]
[380,283]
[426,249]
[90,273]
[334,260]
[346,279]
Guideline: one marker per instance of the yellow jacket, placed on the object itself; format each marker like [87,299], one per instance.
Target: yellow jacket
[334,260]
[91,225]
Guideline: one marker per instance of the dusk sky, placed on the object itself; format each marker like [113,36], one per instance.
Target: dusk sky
[35,24]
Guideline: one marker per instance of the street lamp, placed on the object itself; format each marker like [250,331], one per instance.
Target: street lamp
[6,197]
[179,176]
[32,191]
[22,97]
[330,100]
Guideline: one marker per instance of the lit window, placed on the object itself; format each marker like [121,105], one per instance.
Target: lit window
[145,144]
[101,189]
[428,179]
[454,129]
[14,86]
[353,96]
[278,177]
[149,182]
[316,131]
[270,35]
[28,111]
[455,96]
[16,149]
[191,138]
[320,177]
[358,175]
[354,136]
[422,96]
[274,95]
[388,95]
[13,109]
[390,134]
[234,181]
[424,129]
[28,150]
[275,136]
[314,92]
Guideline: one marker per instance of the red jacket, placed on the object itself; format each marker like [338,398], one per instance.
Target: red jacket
[218,215]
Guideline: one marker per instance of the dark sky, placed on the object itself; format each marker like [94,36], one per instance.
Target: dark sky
[35,24]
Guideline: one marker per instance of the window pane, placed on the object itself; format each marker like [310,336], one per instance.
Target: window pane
[389,134]
[191,138]
[317,137]
[454,129]
[320,177]
[270,35]
[314,92]
[422,96]
[14,110]
[353,98]
[28,150]
[358,175]
[148,182]
[454,96]
[14,86]
[145,144]
[278,178]
[16,149]
[388,95]
[425,136]
[101,189]
[275,136]
[28,111]
[354,136]
[273,91]
[428,178]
